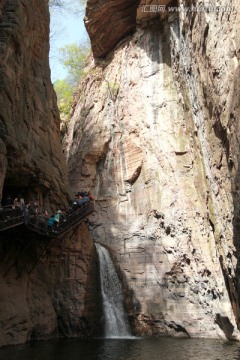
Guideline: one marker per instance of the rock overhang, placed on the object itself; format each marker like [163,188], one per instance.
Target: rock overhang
[109,21]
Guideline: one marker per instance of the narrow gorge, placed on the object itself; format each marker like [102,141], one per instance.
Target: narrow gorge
[154,136]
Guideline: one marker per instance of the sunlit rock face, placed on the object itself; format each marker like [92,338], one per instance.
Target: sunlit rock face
[117,17]
[109,21]
[30,147]
[155,137]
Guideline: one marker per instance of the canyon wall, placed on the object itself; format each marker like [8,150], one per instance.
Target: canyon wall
[155,137]
[31,157]
[47,286]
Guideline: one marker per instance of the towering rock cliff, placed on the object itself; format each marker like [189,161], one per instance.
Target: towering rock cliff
[30,149]
[46,286]
[155,137]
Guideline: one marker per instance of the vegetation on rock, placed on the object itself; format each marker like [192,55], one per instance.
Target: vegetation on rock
[73,58]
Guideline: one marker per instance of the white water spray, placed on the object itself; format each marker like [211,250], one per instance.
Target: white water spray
[116,324]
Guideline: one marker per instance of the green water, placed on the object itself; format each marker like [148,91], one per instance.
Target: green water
[132,349]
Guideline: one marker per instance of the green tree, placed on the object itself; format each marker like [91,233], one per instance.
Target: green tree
[64,92]
[74,57]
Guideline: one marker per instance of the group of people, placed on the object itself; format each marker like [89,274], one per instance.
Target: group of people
[52,222]
[81,198]
[18,207]
[32,213]
[17,203]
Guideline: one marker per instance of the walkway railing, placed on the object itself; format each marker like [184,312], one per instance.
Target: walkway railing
[14,217]
[10,218]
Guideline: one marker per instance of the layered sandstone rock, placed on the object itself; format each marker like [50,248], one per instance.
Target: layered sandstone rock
[155,137]
[30,149]
[48,289]
[108,21]
[117,17]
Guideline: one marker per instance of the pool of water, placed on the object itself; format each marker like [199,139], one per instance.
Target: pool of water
[124,349]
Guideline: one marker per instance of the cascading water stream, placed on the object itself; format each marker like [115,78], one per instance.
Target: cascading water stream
[116,324]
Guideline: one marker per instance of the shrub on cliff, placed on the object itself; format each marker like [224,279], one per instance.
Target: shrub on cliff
[73,57]
[64,92]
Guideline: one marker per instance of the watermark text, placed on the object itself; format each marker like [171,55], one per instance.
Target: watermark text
[186,9]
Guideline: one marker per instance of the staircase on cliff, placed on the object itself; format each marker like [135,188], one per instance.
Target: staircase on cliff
[11,218]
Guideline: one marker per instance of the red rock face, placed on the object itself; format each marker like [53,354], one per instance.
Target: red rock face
[55,296]
[109,21]
[117,17]
[30,148]
[48,296]
[156,139]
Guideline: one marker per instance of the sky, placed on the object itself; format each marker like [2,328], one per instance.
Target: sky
[66,28]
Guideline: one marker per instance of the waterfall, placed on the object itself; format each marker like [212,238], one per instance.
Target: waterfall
[116,324]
